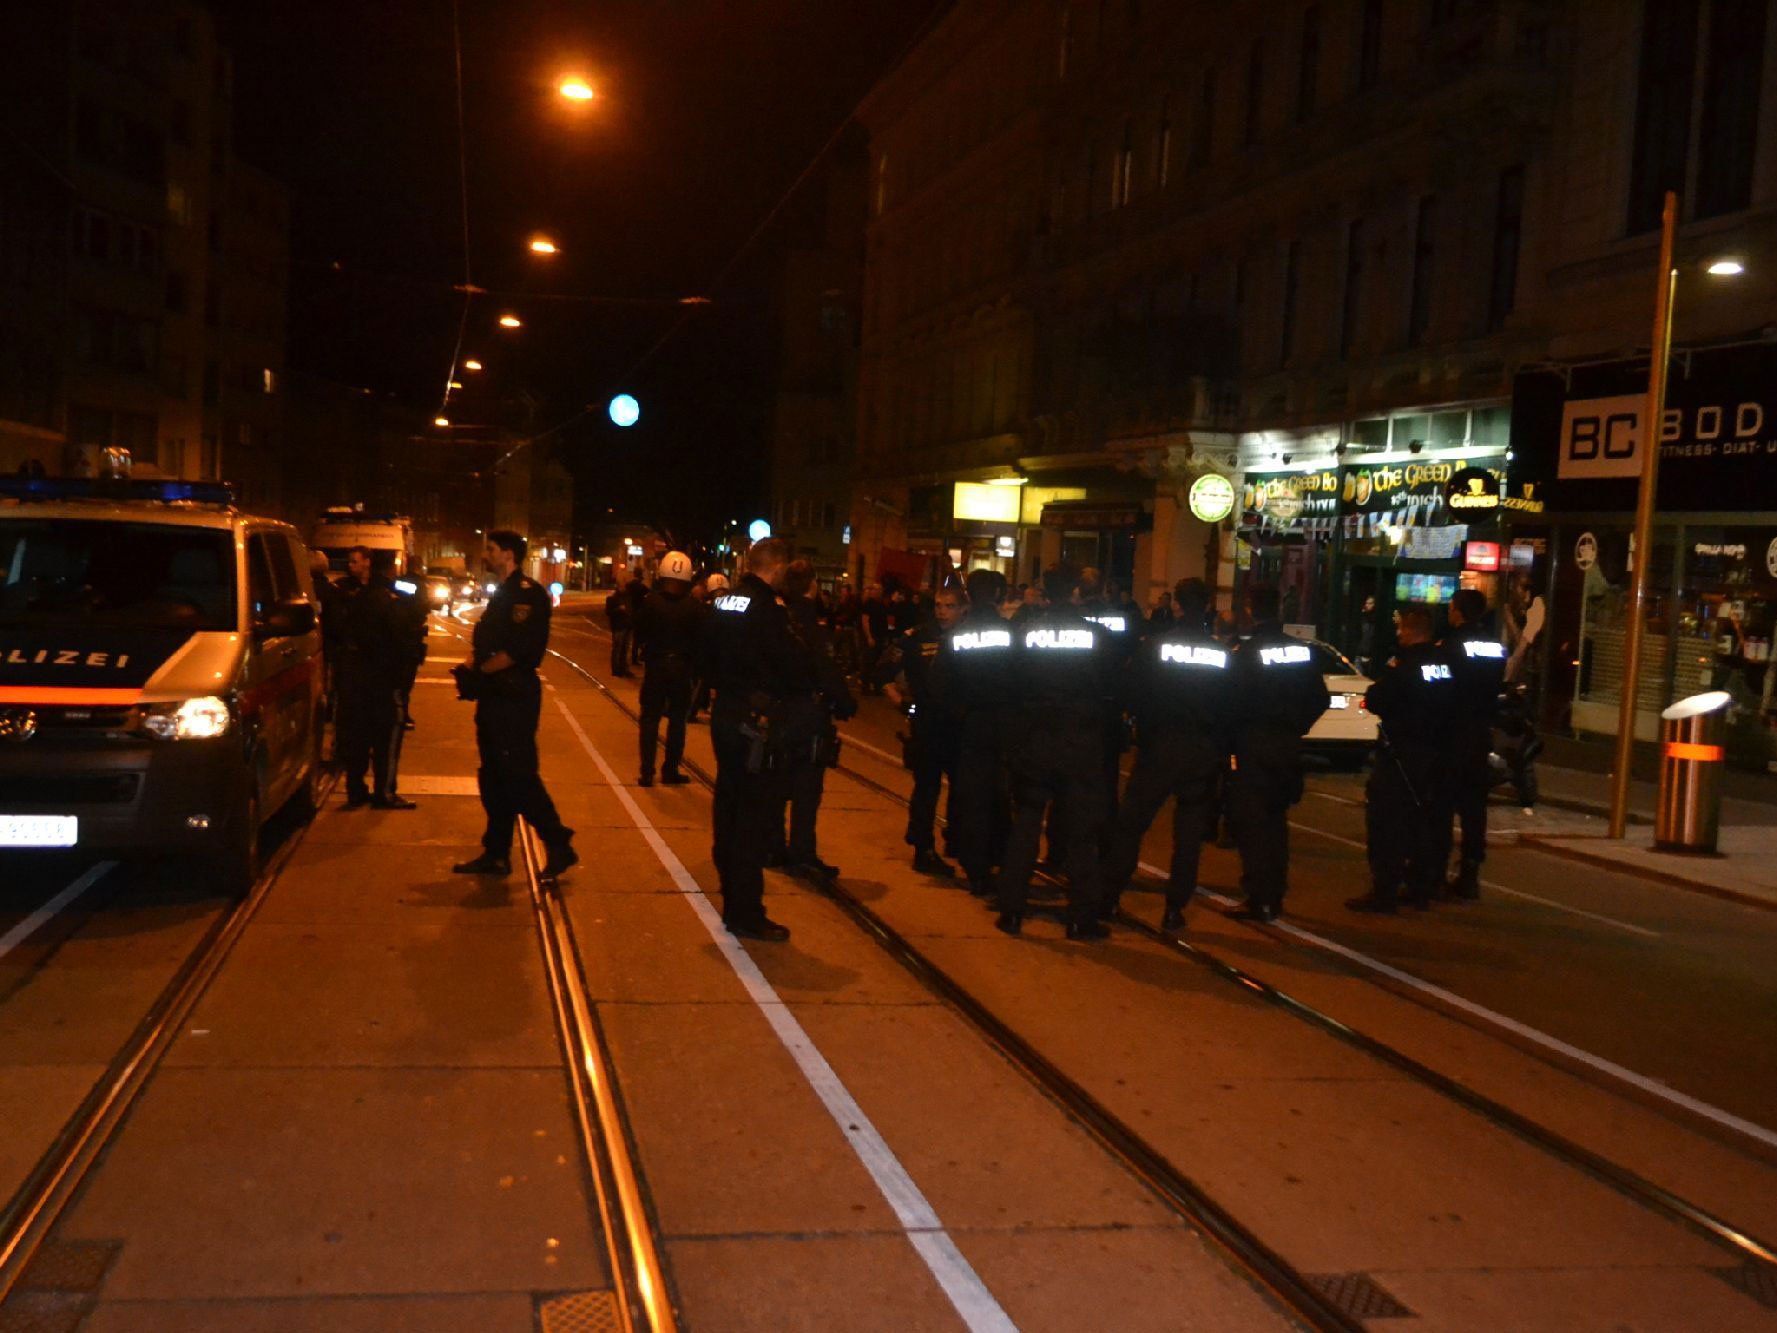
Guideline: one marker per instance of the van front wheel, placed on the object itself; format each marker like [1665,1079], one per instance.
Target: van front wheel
[236,862]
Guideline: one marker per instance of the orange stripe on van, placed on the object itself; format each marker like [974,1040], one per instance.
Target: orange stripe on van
[66,694]
[1709,754]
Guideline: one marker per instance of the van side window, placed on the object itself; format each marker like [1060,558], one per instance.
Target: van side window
[283,567]
[302,585]
[261,591]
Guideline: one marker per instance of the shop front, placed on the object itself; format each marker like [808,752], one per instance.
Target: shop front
[1711,608]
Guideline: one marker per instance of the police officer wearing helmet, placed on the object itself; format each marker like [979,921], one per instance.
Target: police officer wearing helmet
[1477,664]
[753,662]
[972,680]
[373,656]
[1279,695]
[669,627]
[1180,688]
[804,741]
[1415,699]
[500,675]
[1055,754]
[934,730]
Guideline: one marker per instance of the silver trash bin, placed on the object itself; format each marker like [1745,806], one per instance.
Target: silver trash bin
[1688,815]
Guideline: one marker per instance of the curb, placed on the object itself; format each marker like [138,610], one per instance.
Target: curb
[1542,842]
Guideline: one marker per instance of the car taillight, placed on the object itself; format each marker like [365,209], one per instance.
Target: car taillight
[1363,703]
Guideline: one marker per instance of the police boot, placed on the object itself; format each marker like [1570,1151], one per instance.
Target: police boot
[927,862]
[1377,902]
[561,856]
[1468,882]
[1086,926]
[485,864]
[673,778]
[646,779]
[1009,922]
[981,886]
[1173,918]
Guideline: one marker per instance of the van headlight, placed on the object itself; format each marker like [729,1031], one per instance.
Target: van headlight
[192,720]
[440,593]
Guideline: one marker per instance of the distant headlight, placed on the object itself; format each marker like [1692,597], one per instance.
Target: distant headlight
[492,588]
[441,594]
[193,720]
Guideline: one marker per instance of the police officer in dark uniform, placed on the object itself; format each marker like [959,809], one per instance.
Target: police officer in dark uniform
[1180,688]
[1100,605]
[753,662]
[1415,699]
[372,662]
[411,613]
[972,679]
[1477,662]
[1279,694]
[669,627]
[803,738]
[1055,755]
[934,738]
[500,674]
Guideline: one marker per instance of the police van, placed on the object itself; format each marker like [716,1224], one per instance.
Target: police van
[160,671]
[388,538]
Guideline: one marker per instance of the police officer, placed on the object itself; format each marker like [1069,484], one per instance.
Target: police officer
[669,627]
[1180,689]
[1055,756]
[620,617]
[753,662]
[372,663]
[411,613]
[1414,697]
[802,734]
[508,646]
[1279,694]
[1477,662]
[934,738]
[972,678]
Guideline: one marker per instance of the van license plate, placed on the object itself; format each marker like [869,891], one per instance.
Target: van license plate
[39,830]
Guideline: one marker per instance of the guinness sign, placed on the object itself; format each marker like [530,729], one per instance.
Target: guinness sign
[1473,490]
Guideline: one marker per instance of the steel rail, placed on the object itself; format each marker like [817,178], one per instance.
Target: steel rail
[1270,1272]
[643,1294]
[1637,1188]
[34,1208]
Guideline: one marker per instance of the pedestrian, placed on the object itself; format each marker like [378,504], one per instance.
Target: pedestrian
[1414,700]
[637,592]
[1478,662]
[372,663]
[620,618]
[712,586]
[669,628]
[1163,614]
[500,675]
[1055,756]
[1279,694]
[1181,691]
[972,679]
[847,641]
[1366,636]
[875,623]
[803,739]
[934,729]
[754,662]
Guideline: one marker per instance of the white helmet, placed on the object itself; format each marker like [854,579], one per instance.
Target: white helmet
[716,582]
[675,565]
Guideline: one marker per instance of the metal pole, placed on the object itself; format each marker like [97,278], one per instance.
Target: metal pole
[1652,420]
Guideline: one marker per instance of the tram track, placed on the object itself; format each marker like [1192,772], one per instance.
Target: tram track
[1756,1255]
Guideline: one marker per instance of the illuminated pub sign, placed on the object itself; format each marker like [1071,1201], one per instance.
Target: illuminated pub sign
[1577,431]
[1281,499]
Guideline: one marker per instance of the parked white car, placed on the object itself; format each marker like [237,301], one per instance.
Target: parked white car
[1348,724]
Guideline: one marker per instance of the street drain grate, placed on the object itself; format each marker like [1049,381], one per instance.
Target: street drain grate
[577,1312]
[1358,1295]
[1757,1280]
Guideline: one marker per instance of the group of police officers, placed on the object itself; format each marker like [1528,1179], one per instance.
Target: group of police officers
[1023,711]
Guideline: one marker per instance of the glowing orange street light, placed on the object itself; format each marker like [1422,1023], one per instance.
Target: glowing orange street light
[511,322]
[441,421]
[576,89]
[542,245]
[471,364]
[456,384]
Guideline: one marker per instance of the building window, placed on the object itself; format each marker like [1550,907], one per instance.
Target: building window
[1203,132]
[1123,170]
[829,515]
[1308,72]
[1354,285]
[1255,91]
[1425,239]
[1369,44]
[1163,146]
[1728,140]
[1064,47]
[268,378]
[1663,107]
[1508,234]
[1292,267]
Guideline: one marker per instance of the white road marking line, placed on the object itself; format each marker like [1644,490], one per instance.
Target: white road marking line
[968,1294]
[1536,1036]
[26,928]
[868,748]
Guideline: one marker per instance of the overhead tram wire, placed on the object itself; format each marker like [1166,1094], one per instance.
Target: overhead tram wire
[636,367]
[456,351]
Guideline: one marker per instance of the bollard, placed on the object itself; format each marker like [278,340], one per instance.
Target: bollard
[1688,814]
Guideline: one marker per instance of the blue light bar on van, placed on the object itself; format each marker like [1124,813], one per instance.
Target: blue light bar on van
[104,488]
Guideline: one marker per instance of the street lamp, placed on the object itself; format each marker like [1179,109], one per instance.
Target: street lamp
[542,245]
[576,89]
[511,322]
[472,364]
[441,421]
[1641,555]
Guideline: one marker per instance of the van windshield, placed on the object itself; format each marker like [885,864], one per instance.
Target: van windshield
[151,575]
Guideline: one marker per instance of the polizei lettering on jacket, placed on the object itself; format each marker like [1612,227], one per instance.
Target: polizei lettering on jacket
[975,639]
[1191,654]
[1058,638]
[1115,624]
[71,657]
[1483,648]
[733,602]
[1295,652]
[1434,671]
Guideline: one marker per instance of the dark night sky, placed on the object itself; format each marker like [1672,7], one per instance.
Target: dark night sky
[708,110]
